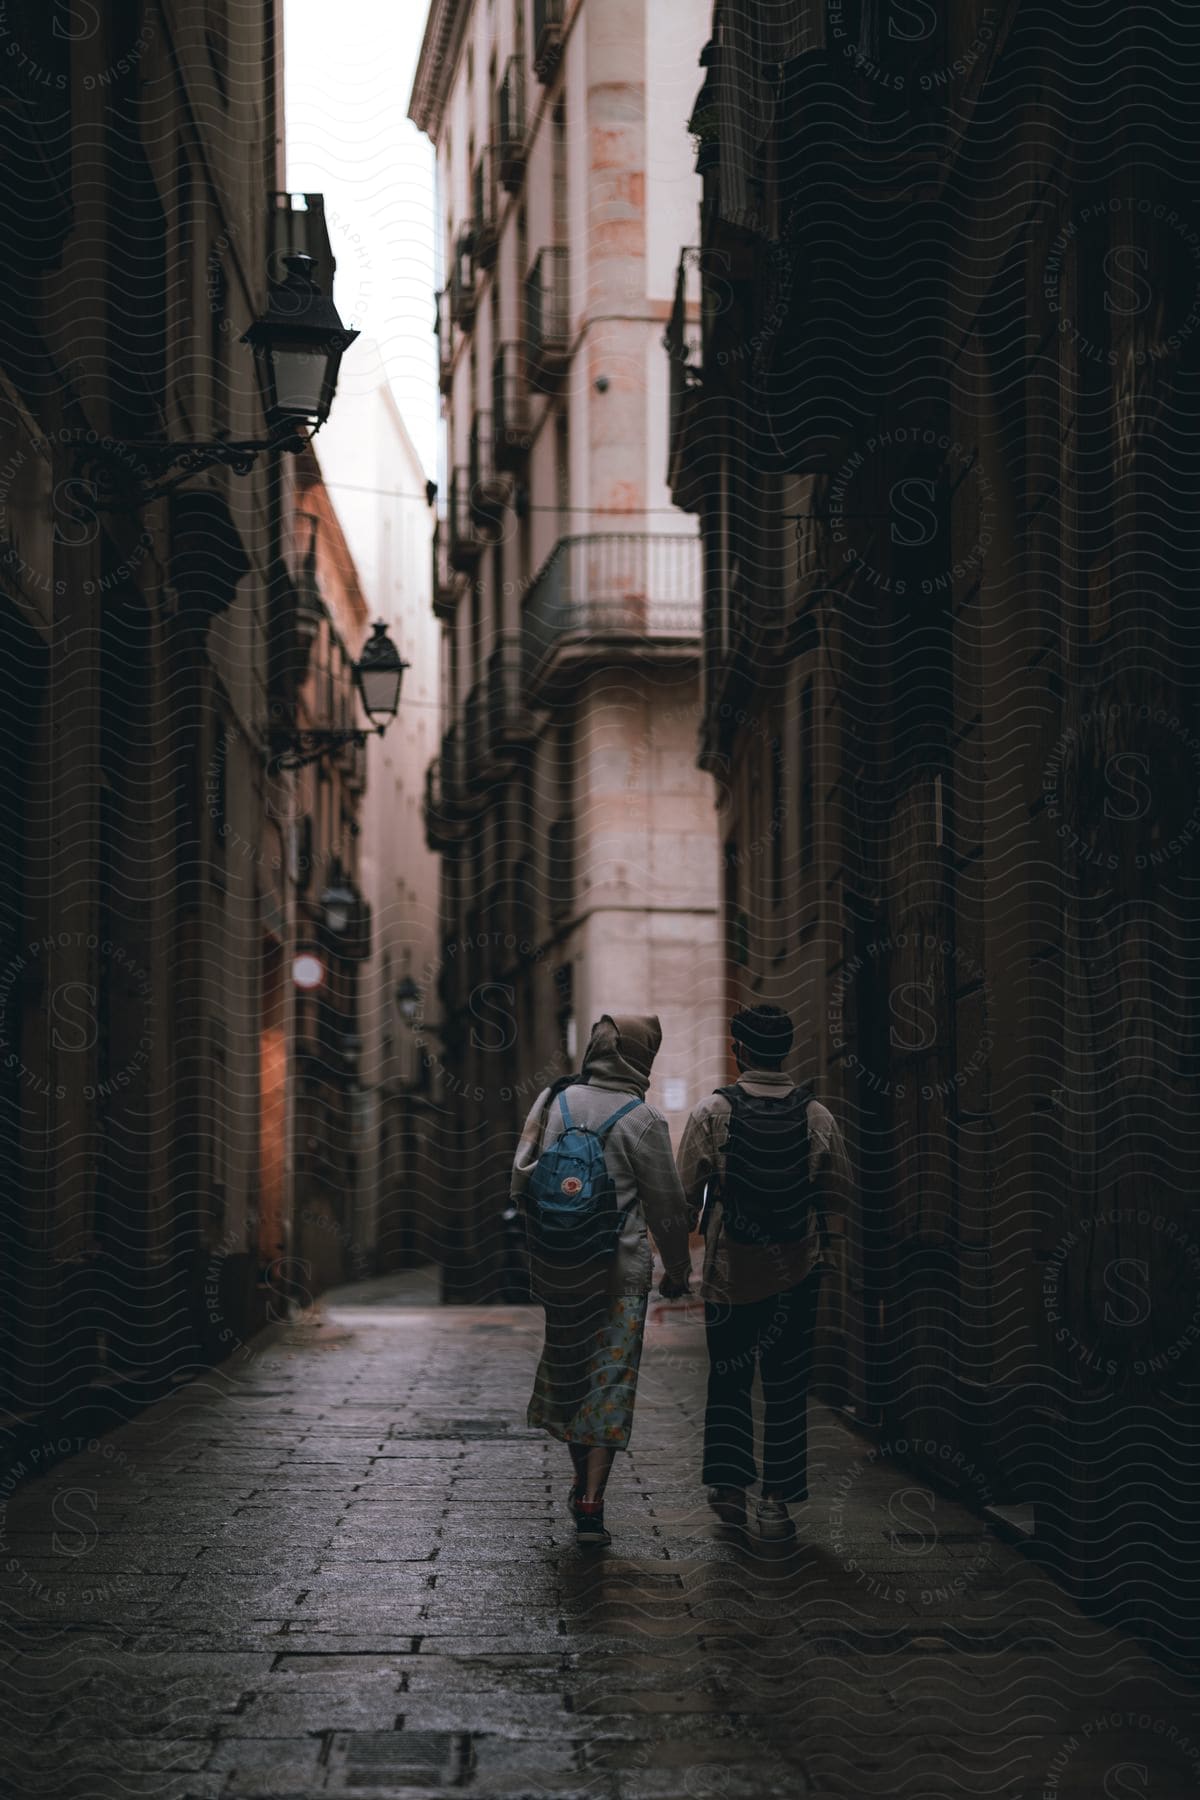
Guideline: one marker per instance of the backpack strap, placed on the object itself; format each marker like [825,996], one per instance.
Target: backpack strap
[736,1092]
[603,1130]
[567,1120]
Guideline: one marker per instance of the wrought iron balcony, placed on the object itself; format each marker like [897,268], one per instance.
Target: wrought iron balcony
[462,283]
[547,37]
[441,830]
[511,434]
[490,490]
[548,312]
[445,794]
[443,326]
[446,586]
[485,209]
[510,124]
[608,591]
[474,738]
[467,539]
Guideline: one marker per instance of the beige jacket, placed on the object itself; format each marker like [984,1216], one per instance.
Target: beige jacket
[638,1153]
[739,1273]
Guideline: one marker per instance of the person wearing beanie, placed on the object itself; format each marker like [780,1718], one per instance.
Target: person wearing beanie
[760,1289]
[586,1381]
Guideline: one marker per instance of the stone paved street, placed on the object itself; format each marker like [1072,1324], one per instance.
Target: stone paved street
[343,1566]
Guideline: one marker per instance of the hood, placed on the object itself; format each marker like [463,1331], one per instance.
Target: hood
[621,1052]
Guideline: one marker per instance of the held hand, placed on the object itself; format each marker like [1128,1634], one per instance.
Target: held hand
[674,1290]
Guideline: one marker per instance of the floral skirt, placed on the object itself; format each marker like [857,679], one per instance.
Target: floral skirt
[586,1382]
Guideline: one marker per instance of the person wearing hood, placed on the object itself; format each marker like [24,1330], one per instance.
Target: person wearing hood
[595,1307]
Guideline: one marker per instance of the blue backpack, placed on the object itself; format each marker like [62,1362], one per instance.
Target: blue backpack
[571,1197]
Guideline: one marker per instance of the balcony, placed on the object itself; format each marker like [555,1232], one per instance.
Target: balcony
[681,339]
[485,209]
[610,591]
[547,37]
[443,327]
[445,795]
[548,313]
[446,586]
[509,721]
[352,761]
[467,539]
[474,738]
[510,125]
[441,832]
[489,491]
[511,435]
[462,283]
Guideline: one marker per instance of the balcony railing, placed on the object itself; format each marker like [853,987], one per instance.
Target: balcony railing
[548,312]
[462,283]
[485,209]
[474,737]
[510,124]
[481,465]
[443,326]
[547,37]
[445,584]
[444,795]
[466,539]
[489,491]
[508,717]
[610,587]
[510,407]
[453,767]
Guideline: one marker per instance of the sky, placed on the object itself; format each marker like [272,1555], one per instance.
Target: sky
[348,73]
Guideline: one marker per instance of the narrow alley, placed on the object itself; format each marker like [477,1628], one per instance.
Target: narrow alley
[342,1565]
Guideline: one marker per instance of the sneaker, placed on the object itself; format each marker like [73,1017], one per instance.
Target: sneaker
[774,1520]
[589,1523]
[729,1504]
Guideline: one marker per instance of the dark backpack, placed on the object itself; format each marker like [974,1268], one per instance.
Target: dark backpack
[766,1195]
[571,1197]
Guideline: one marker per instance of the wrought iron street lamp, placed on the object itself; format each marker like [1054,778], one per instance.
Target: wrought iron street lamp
[338,903]
[408,999]
[298,345]
[378,674]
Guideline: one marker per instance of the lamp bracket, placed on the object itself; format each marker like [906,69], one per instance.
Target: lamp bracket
[303,747]
[125,475]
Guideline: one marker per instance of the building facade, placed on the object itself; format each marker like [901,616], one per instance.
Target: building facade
[934,426]
[154,656]
[574,829]
[322,807]
[379,485]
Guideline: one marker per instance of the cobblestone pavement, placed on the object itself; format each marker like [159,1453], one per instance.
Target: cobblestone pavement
[343,1566]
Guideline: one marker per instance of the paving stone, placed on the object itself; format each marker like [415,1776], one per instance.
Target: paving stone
[355,1575]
